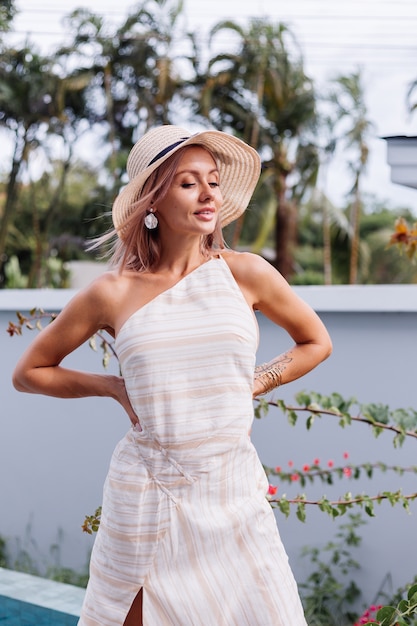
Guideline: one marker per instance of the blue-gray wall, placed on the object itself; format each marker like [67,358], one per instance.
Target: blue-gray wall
[54,454]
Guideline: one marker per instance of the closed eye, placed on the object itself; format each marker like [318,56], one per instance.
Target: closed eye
[188,185]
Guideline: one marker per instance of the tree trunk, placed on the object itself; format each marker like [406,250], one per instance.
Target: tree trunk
[110,121]
[327,245]
[354,253]
[11,197]
[285,232]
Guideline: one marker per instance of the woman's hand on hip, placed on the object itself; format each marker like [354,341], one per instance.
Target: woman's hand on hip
[122,397]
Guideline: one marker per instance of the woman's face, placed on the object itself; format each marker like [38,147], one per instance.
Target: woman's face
[193,201]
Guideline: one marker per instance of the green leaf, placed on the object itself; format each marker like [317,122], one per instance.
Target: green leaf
[310,421]
[292,417]
[284,506]
[377,430]
[257,412]
[281,405]
[386,613]
[411,592]
[301,512]
[303,398]
[335,410]
[399,439]
[376,412]
[262,408]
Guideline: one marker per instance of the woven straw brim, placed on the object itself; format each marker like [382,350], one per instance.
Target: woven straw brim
[239,168]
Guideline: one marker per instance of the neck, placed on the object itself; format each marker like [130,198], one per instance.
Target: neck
[181,259]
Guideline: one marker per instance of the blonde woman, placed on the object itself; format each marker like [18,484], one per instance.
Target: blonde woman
[187,537]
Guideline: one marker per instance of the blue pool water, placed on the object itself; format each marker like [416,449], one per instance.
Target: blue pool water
[18,613]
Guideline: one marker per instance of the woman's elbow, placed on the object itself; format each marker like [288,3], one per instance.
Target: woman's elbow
[17,382]
[20,379]
[326,348]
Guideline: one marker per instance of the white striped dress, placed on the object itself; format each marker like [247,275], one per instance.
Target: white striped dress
[185,515]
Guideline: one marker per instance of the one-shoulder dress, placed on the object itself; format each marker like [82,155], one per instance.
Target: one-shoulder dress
[185,514]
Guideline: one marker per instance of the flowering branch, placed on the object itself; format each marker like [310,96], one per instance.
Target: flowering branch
[311,472]
[394,615]
[402,422]
[339,507]
[34,322]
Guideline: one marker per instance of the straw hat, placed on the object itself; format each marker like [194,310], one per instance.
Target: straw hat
[239,168]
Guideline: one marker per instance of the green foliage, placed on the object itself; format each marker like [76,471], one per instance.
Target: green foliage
[259,91]
[26,561]
[13,273]
[67,575]
[328,594]
[7,13]
[379,418]
[92,522]
[402,614]
[3,553]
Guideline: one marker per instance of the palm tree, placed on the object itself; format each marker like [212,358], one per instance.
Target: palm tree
[7,12]
[262,94]
[34,101]
[27,85]
[354,131]
[131,70]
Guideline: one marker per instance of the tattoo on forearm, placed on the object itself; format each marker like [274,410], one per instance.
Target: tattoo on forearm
[270,374]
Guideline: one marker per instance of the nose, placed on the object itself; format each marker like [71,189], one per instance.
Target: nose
[207,192]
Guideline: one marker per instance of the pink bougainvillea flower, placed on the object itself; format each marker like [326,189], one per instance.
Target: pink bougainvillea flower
[278,469]
[306,468]
[295,476]
[347,472]
[345,455]
[330,463]
[366,616]
[272,489]
[316,462]
[290,463]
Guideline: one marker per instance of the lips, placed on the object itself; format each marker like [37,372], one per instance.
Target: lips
[206,211]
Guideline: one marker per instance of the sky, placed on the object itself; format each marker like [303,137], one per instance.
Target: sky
[336,37]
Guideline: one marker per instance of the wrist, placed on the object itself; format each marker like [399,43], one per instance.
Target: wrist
[268,376]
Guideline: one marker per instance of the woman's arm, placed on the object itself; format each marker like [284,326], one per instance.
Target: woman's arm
[39,370]
[267,291]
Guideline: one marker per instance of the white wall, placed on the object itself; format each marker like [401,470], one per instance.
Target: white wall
[54,453]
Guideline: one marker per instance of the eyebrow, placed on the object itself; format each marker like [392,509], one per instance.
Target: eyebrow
[195,172]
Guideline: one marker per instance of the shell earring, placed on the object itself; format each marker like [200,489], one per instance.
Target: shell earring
[151,221]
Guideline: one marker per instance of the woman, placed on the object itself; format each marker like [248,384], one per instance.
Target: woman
[187,537]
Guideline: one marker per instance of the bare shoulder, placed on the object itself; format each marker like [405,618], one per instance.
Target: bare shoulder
[96,302]
[241,262]
[98,292]
[258,280]
[102,287]
[252,270]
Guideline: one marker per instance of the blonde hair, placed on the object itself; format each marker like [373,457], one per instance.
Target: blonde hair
[139,248]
